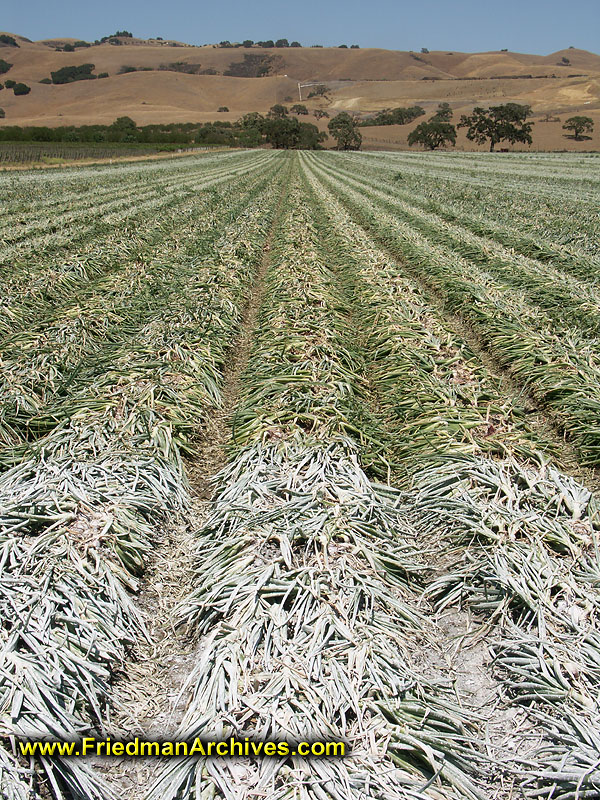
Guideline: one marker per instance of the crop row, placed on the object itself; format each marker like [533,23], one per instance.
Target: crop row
[306,577]
[567,300]
[560,235]
[79,337]
[520,538]
[570,178]
[84,231]
[81,511]
[560,370]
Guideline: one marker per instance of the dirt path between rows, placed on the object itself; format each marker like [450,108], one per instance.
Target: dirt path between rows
[151,695]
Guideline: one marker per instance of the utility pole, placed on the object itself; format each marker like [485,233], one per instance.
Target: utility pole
[302,85]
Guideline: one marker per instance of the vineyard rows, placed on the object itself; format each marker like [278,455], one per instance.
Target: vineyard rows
[303,446]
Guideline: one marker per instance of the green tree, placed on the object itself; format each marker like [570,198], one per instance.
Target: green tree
[252,120]
[319,113]
[282,43]
[247,43]
[278,111]
[69,48]
[123,129]
[283,133]
[433,134]
[343,130]
[295,44]
[8,40]
[579,125]
[444,113]
[4,66]
[310,137]
[504,123]
[124,123]
[21,88]
[298,108]
[222,108]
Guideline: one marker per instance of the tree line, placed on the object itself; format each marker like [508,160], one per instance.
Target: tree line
[281,130]
[508,122]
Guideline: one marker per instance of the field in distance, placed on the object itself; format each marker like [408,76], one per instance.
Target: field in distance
[303,446]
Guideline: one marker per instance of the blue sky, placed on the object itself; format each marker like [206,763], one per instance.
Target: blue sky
[535,26]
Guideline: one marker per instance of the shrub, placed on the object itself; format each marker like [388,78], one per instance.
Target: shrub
[395,116]
[4,66]
[125,68]
[10,84]
[103,75]
[82,44]
[222,108]
[21,88]
[2,113]
[69,48]
[45,80]
[83,72]
[253,66]
[278,111]
[8,40]
[354,47]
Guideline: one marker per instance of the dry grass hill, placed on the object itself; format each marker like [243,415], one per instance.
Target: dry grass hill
[361,81]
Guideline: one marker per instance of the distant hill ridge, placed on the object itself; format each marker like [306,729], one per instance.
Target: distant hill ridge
[157,81]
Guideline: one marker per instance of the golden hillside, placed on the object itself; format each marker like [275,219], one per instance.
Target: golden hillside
[361,81]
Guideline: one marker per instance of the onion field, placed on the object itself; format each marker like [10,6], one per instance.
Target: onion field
[303,446]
